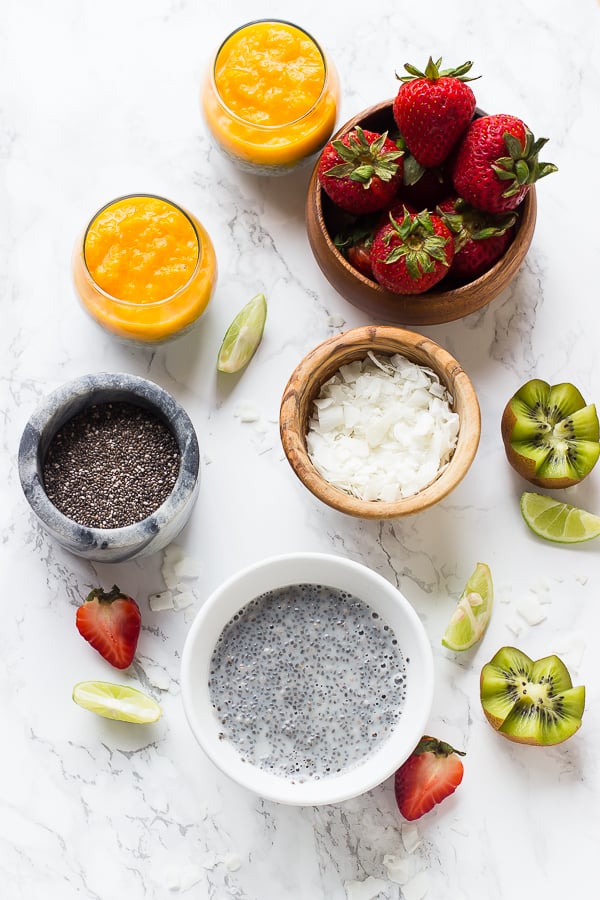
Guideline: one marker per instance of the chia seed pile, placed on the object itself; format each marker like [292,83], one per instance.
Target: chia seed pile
[307,681]
[111,465]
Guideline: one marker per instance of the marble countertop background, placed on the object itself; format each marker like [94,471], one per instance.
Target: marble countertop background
[101,99]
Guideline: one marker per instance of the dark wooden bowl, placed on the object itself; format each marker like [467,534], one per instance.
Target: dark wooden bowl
[438,305]
[324,361]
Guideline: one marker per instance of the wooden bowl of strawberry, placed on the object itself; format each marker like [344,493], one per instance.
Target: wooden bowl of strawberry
[421,209]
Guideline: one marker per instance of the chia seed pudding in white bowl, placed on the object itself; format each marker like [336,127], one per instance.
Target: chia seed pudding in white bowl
[307,678]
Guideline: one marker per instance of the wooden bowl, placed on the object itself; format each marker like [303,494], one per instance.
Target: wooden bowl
[323,362]
[324,220]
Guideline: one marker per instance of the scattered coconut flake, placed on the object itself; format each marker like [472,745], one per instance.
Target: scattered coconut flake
[582,579]
[530,609]
[173,553]
[161,600]
[336,321]
[398,868]
[231,861]
[189,614]
[503,593]
[183,599]
[410,836]
[388,431]
[207,459]
[188,568]
[541,586]
[364,890]
[417,887]
[172,880]
[570,649]
[247,414]
[515,626]
[158,678]
[169,577]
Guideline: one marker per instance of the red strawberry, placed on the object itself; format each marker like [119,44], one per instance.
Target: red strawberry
[430,774]
[432,109]
[480,238]
[361,171]
[355,245]
[111,623]
[410,256]
[497,162]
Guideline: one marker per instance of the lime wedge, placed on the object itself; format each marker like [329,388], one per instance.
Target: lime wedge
[473,611]
[243,336]
[117,701]
[558,522]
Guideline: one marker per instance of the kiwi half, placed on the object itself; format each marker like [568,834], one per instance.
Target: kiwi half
[530,702]
[550,435]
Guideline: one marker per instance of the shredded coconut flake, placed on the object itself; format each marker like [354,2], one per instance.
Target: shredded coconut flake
[398,868]
[382,428]
[365,890]
[160,601]
[410,836]
[531,610]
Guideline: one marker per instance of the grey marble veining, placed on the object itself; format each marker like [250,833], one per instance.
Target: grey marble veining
[98,100]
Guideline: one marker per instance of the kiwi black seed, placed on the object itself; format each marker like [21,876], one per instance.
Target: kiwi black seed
[530,702]
[550,435]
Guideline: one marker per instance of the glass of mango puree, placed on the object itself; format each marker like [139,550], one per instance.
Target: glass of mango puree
[270,97]
[144,269]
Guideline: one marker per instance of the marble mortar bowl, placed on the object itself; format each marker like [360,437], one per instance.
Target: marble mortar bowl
[109,545]
[319,569]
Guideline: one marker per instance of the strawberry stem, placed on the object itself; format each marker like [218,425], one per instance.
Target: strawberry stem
[106,596]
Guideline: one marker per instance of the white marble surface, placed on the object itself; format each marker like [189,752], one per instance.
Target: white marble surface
[99,99]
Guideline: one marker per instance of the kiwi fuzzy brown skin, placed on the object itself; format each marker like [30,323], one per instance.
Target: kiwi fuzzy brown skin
[530,702]
[526,466]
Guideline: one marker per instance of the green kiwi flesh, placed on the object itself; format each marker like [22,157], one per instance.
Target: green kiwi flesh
[530,702]
[551,436]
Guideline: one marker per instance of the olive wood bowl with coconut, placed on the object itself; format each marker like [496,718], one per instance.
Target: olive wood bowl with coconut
[446,301]
[325,361]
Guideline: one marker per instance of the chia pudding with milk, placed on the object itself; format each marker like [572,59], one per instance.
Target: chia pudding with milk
[307,681]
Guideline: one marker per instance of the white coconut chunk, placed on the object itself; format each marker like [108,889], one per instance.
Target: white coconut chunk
[411,838]
[169,577]
[183,599]
[158,678]
[417,887]
[336,321]
[232,862]
[571,648]
[582,579]
[172,880]
[515,625]
[365,890]
[173,553]
[248,414]
[398,868]
[161,601]
[530,609]
[188,568]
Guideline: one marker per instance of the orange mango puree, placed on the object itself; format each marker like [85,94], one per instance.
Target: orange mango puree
[146,269]
[271,98]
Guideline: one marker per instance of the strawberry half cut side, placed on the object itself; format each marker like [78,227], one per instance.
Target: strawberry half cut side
[431,773]
[111,622]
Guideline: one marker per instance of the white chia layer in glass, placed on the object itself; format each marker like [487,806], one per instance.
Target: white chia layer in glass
[307,681]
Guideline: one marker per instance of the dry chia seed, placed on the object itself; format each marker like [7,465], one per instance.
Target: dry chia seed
[307,681]
[111,465]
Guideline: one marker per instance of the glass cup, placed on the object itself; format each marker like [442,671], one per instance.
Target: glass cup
[282,110]
[144,269]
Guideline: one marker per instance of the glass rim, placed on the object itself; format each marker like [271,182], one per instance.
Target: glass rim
[258,125]
[151,303]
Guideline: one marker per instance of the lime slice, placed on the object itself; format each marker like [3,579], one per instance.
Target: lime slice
[243,336]
[117,701]
[473,611]
[558,522]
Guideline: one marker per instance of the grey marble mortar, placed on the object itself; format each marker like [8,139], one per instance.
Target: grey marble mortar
[110,544]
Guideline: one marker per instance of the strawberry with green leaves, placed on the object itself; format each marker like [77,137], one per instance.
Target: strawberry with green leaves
[480,238]
[431,773]
[497,162]
[110,622]
[432,110]
[355,245]
[410,255]
[362,171]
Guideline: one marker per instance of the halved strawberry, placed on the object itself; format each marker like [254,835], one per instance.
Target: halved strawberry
[431,773]
[111,623]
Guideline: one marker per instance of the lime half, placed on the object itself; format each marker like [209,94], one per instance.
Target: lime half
[243,336]
[473,611]
[117,701]
[558,522]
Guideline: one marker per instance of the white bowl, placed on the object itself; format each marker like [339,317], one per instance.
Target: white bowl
[331,571]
